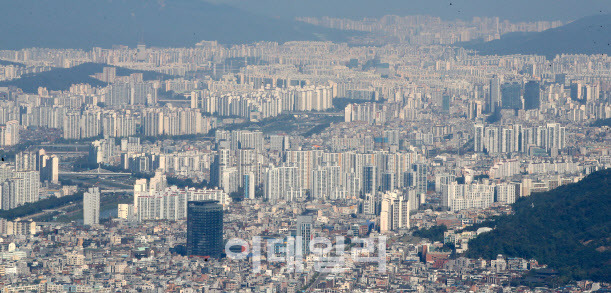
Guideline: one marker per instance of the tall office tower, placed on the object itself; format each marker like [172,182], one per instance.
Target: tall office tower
[494,96]
[205,228]
[91,206]
[394,213]
[403,164]
[445,103]
[304,230]
[141,51]
[511,96]
[532,95]
[369,179]
[478,138]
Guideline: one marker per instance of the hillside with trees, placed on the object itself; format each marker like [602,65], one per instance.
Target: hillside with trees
[60,79]
[566,228]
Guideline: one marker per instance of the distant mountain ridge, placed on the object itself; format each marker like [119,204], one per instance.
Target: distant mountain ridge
[588,35]
[514,10]
[170,23]
[62,78]
[8,63]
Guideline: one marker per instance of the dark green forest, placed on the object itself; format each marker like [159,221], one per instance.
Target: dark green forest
[566,228]
[602,122]
[434,233]
[39,206]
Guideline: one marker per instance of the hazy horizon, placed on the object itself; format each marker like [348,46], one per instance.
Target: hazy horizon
[565,10]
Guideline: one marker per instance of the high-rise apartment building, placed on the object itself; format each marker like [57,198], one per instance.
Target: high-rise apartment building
[394,212]
[91,206]
[494,95]
[9,133]
[282,184]
[478,138]
[458,197]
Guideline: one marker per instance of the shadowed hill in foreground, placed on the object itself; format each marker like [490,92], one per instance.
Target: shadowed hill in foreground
[566,228]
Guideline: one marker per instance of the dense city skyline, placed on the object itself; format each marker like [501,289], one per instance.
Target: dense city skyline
[184,146]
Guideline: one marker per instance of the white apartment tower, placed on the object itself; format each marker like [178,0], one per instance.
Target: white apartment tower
[91,206]
[394,212]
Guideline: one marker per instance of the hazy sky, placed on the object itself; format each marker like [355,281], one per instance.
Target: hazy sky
[447,9]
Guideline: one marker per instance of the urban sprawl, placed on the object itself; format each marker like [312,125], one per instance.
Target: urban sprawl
[276,145]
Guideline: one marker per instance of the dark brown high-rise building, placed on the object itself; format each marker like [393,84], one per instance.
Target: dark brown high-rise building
[205,228]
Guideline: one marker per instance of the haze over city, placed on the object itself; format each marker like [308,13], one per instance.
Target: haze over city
[305,146]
